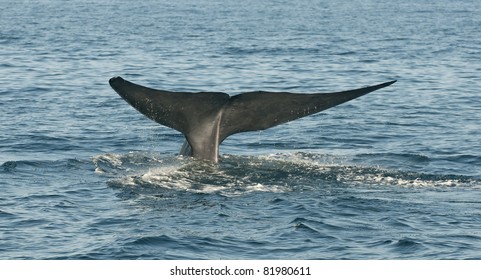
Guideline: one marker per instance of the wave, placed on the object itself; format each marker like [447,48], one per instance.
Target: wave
[240,175]
[36,165]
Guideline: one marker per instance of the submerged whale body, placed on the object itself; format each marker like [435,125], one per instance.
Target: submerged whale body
[208,118]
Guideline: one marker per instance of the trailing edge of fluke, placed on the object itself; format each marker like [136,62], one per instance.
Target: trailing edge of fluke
[208,118]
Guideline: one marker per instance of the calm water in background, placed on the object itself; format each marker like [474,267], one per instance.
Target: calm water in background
[394,174]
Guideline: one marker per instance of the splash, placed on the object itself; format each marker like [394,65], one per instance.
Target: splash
[277,173]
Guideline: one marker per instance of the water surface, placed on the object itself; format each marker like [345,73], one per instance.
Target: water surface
[395,174]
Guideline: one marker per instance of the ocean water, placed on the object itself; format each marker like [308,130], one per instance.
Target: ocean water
[395,174]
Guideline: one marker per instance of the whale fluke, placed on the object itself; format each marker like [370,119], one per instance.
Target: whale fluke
[208,118]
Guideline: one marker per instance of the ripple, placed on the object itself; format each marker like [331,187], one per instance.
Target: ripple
[407,246]
[6,214]
[164,241]
[9,166]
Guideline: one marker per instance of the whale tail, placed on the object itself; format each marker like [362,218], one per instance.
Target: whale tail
[208,118]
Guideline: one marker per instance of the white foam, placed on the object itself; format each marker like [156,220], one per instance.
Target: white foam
[240,175]
[379,178]
[113,159]
[167,177]
[266,188]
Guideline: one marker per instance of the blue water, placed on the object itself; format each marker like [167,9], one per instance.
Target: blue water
[395,174]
